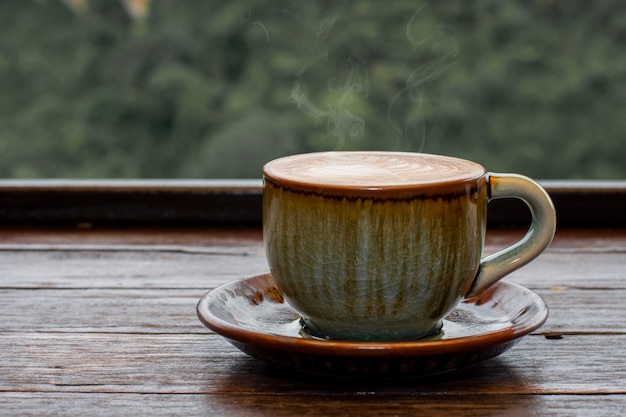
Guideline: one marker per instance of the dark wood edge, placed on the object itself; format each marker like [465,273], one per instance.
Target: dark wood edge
[577,203]
[238,203]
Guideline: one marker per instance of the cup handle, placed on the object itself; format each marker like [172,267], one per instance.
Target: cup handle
[494,267]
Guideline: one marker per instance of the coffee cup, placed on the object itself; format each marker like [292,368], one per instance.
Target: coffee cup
[381,246]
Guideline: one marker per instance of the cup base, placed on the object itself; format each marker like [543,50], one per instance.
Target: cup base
[308,329]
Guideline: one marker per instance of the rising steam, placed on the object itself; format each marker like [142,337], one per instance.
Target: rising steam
[405,114]
[337,107]
[341,123]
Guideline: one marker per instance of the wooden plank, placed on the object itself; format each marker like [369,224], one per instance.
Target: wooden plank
[574,311]
[573,270]
[103,323]
[203,236]
[205,267]
[276,405]
[100,311]
[127,268]
[198,239]
[147,310]
[87,235]
[160,363]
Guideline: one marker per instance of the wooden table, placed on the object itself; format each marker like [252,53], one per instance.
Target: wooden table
[103,322]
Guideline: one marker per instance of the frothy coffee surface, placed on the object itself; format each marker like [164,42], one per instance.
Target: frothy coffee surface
[371,169]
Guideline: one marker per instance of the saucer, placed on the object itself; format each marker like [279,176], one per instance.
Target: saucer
[253,315]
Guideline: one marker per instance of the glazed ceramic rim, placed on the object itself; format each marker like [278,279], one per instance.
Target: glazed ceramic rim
[461,185]
[376,349]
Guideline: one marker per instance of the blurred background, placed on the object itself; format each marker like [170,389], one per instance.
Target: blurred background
[213,89]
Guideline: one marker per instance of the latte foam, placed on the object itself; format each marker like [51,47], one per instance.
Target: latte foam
[371,170]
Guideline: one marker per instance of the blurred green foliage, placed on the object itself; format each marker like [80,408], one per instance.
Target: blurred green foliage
[214,89]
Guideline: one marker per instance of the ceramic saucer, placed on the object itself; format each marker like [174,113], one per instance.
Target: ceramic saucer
[253,315]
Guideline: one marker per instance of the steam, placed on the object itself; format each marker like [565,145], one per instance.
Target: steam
[249,19]
[321,30]
[342,124]
[405,114]
[332,105]
[326,26]
[336,105]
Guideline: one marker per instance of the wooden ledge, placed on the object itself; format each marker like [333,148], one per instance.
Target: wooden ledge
[238,203]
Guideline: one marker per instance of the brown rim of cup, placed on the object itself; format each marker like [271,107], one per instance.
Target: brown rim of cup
[463,185]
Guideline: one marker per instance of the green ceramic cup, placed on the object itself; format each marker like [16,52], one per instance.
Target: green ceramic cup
[379,246]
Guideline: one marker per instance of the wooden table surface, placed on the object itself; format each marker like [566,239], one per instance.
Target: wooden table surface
[103,322]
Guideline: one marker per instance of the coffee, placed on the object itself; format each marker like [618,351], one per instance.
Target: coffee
[369,170]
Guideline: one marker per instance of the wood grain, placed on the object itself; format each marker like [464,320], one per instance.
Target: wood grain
[572,311]
[102,322]
[204,264]
[205,363]
[275,405]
